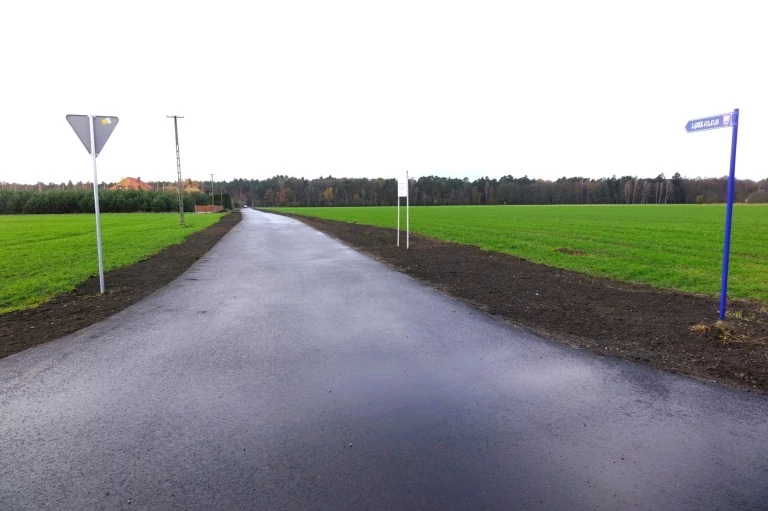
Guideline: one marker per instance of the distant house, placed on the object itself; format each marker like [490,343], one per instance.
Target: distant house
[131,183]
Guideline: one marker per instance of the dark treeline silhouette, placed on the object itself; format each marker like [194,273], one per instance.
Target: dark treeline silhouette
[434,190]
[81,201]
[427,191]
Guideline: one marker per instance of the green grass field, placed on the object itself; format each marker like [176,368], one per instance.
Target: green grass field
[45,255]
[670,246]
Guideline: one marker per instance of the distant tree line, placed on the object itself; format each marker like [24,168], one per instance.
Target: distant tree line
[25,201]
[434,190]
[427,191]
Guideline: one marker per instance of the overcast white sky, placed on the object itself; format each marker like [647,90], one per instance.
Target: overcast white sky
[370,89]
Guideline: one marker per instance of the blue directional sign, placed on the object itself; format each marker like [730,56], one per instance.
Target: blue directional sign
[711,123]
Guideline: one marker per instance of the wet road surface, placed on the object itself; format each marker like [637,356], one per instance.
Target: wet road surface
[287,371]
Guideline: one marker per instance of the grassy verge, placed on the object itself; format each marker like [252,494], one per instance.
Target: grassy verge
[670,246]
[45,255]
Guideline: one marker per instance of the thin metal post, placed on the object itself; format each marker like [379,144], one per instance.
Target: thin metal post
[96,205]
[729,215]
[398,217]
[178,165]
[213,197]
[407,212]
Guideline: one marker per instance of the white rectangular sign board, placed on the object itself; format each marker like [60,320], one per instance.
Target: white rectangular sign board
[402,187]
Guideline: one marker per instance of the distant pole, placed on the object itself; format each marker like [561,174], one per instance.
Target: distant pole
[178,165]
[96,205]
[213,197]
[728,215]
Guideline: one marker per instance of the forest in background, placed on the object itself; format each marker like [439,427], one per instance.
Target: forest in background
[427,190]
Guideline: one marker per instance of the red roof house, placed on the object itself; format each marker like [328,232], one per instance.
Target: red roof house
[131,183]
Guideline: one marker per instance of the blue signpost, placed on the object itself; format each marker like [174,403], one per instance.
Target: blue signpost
[729,120]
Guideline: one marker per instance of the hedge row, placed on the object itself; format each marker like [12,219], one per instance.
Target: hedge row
[81,201]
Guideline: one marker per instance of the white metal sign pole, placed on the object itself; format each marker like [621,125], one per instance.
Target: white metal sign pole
[398,215]
[407,212]
[96,204]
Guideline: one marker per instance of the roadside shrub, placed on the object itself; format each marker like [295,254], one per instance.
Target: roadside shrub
[81,201]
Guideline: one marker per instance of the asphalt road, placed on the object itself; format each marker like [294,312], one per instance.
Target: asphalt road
[287,371]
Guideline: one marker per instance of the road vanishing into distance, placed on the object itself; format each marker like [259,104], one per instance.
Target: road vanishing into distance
[287,371]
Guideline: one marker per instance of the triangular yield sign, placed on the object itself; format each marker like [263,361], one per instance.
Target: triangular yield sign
[103,126]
